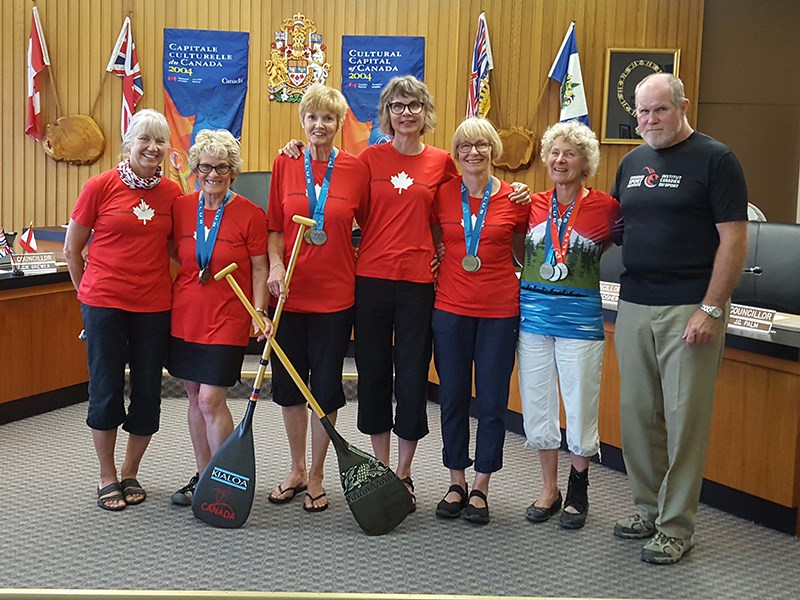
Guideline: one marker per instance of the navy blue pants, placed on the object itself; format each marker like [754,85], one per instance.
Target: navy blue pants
[115,337]
[489,344]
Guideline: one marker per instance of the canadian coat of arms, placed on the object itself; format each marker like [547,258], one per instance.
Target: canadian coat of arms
[297,59]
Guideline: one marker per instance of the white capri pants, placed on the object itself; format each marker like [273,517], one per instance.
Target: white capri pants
[543,361]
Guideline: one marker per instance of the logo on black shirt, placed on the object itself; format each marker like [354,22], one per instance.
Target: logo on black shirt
[654,180]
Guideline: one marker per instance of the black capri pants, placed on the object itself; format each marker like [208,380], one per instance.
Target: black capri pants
[393,325]
[115,337]
[316,344]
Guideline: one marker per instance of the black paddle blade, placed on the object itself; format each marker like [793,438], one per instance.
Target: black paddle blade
[378,500]
[224,494]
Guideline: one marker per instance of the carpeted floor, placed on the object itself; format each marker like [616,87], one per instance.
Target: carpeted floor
[54,536]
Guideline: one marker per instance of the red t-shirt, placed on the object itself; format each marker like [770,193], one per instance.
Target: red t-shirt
[597,220]
[212,313]
[128,262]
[493,290]
[324,276]
[396,243]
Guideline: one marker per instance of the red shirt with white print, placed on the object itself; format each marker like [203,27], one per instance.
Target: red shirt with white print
[128,261]
[396,242]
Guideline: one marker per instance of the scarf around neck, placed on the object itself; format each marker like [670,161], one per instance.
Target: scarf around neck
[133,181]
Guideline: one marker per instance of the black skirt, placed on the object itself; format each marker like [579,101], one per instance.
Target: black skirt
[212,364]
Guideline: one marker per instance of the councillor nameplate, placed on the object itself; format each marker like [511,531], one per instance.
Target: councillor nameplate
[36,263]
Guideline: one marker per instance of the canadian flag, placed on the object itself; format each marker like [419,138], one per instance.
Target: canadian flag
[38,59]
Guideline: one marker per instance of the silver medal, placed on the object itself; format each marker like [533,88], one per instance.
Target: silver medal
[546,271]
[471,263]
[318,237]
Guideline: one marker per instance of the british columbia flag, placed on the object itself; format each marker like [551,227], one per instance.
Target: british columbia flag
[478,102]
[125,63]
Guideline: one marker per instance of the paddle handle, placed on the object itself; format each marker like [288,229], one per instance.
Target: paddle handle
[305,223]
[271,343]
[301,385]
[227,273]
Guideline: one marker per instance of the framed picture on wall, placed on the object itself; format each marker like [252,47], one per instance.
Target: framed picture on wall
[625,68]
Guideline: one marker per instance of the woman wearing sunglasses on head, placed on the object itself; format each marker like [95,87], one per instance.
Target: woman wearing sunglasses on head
[124,291]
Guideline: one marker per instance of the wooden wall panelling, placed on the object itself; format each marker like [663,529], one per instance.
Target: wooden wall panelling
[525,36]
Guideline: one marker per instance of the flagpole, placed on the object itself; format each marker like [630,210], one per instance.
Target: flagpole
[541,94]
[55,90]
[102,83]
[99,93]
[53,85]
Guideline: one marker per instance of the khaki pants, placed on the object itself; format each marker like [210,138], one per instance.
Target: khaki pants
[666,398]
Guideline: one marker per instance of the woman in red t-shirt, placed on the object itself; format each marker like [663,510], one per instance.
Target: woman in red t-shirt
[394,275]
[124,291]
[476,314]
[330,186]
[213,228]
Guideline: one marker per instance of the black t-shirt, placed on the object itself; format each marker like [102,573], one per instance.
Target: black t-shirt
[671,201]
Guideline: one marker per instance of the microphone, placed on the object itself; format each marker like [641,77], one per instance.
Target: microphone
[756,270]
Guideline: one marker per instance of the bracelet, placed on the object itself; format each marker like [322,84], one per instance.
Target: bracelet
[261,310]
[275,267]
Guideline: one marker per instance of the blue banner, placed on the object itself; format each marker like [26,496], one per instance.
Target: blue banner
[205,85]
[368,63]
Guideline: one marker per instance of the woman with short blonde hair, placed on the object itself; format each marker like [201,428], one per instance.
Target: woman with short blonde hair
[476,314]
[332,187]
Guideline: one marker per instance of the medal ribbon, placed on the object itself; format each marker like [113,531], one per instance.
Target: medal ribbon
[316,205]
[561,234]
[472,237]
[204,247]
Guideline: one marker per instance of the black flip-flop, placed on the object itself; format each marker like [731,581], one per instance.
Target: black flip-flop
[294,491]
[103,499]
[131,487]
[410,484]
[312,508]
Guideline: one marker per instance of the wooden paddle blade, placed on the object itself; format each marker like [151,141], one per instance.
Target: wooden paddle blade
[224,494]
[378,500]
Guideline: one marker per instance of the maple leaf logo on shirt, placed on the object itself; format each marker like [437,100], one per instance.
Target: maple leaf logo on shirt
[206,229]
[143,212]
[401,181]
[474,220]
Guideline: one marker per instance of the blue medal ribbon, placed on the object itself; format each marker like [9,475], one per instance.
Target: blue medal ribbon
[316,205]
[472,236]
[204,247]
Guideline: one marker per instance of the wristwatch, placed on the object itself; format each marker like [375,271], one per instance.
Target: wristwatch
[715,312]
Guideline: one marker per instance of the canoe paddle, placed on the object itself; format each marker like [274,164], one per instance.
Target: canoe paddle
[378,500]
[224,493]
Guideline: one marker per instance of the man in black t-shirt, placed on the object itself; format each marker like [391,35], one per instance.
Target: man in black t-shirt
[684,203]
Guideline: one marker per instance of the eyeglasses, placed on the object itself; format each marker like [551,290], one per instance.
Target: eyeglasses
[465,147]
[414,107]
[222,169]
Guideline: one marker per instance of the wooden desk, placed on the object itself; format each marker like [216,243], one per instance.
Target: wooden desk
[754,443]
[40,326]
